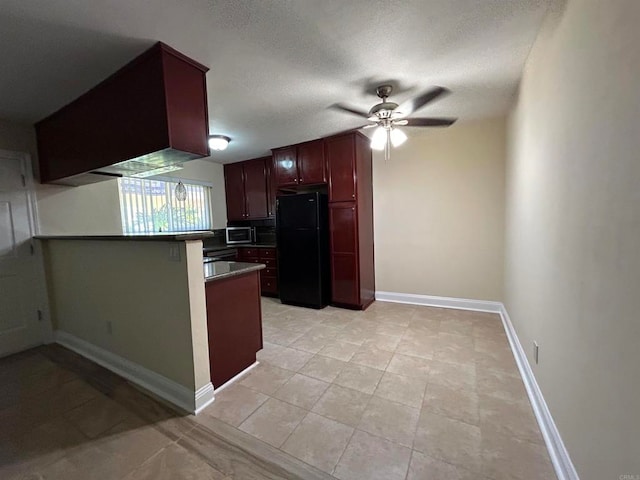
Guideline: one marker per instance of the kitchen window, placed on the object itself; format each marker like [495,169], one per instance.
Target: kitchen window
[150,206]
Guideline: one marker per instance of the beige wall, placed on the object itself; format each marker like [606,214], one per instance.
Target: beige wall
[156,321]
[95,209]
[439,212]
[573,229]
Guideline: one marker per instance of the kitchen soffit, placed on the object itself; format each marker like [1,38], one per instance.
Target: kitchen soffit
[275,66]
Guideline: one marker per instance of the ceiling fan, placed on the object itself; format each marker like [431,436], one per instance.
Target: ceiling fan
[388,116]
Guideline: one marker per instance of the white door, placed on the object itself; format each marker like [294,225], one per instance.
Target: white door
[19,282]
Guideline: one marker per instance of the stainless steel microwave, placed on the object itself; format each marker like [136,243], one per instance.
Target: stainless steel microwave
[239,235]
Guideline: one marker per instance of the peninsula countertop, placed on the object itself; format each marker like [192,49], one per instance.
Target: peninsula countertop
[221,269]
[156,237]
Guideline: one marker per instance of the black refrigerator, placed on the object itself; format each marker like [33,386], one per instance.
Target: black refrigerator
[302,230]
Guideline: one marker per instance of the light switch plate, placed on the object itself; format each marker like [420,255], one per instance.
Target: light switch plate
[174,253]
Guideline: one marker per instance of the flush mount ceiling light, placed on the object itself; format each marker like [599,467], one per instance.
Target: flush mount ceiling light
[387,116]
[218,142]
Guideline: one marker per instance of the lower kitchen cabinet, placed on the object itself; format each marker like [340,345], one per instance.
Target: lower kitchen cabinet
[234,325]
[269,275]
[345,279]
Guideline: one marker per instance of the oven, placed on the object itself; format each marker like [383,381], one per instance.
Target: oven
[226,255]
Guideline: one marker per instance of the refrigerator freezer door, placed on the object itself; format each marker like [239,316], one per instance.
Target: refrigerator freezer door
[298,211]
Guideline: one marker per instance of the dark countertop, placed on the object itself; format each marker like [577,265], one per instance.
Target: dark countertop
[156,237]
[218,270]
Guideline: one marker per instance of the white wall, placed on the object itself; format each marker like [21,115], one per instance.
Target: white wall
[573,229]
[439,212]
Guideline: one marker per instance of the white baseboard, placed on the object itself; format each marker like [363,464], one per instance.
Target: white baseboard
[204,397]
[179,395]
[239,376]
[557,451]
[443,302]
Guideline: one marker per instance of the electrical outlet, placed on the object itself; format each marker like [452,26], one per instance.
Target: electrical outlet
[109,327]
[174,253]
[536,352]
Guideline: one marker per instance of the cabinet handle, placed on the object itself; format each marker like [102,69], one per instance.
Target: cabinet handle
[296,180]
[353,195]
[300,179]
[353,208]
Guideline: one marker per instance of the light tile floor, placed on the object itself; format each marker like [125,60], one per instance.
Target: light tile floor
[395,392]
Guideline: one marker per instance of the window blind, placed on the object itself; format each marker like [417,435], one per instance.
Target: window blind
[150,206]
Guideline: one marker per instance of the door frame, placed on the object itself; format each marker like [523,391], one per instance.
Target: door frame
[40,284]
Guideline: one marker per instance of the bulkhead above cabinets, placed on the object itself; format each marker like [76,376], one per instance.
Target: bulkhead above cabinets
[147,118]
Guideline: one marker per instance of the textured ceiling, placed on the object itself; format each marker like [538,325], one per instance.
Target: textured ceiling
[276,65]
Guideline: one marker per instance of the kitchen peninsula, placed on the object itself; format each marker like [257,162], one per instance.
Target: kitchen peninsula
[145,307]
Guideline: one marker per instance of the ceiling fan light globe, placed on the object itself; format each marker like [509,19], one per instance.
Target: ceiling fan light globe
[398,137]
[379,139]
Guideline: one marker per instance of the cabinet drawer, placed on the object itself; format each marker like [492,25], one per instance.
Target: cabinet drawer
[269,284]
[247,252]
[269,262]
[269,272]
[267,252]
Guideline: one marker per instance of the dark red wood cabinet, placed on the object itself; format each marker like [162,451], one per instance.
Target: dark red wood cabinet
[272,188]
[157,103]
[286,166]
[341,157]
[302,164]
[311,163]
[351,220]
[234,191]
[246,189]
[344,280]
[234,325]
[255,188]
[268,275]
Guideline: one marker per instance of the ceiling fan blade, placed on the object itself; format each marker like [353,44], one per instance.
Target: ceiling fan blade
[348,109]
[371,125]
[407,108]
[430,122]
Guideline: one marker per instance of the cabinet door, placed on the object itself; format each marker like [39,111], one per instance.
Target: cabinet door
[311,164]
[286,165]
[271,187]
[344,279]
[343,227]
[340,153]
[234,191]
[344,253]
[255,188]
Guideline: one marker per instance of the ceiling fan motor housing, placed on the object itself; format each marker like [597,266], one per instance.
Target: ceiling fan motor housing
[383,109]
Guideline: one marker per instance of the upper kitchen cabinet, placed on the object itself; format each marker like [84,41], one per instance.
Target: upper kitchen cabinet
[341,157]
[272,188]
[246,189]
[311,163]
[234,191]
[151,114]
[255,187]
[302,164]
[285,162]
